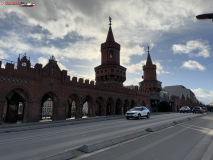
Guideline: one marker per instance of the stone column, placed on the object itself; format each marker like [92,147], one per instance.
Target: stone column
[2,114]
[79,108]
[103,110]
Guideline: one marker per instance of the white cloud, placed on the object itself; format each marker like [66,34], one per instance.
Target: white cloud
[193,45]
[2,65]
[43,61]
[138,68]
[134,81]
[203,94]
[36,36]
[193,65]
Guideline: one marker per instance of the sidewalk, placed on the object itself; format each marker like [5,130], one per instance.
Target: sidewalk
[8,127]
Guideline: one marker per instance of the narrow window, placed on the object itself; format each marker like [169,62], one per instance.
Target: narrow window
[38,72]
[64,77]
[111,54]
[52,69]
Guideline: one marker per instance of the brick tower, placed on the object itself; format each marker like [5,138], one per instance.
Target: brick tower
[110,71]
[149,75]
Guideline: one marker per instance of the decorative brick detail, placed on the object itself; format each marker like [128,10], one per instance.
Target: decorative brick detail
[98,91]
[14,80]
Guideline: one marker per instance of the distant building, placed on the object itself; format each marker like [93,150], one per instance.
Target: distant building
[47,108]
[178,90]
[211,104]
[130,87]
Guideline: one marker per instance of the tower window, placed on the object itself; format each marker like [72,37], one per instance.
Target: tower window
[112,70]
[38,71]
[118,71]
[101,71]
[105,70]
[111,54]
[97,72]
[52,69]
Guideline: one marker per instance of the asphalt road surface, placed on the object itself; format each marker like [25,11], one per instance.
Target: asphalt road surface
[192,140]
[175,142]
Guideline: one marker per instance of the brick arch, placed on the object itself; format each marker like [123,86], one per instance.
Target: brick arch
[127,100]
[82,99]
[18,87]
[131,103]
[1,96]
[144,103]
[120,100]
[71,93]
[99,106]
[109,98]
[45,92]
[100,97]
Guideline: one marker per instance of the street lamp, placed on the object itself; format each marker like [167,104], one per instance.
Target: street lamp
[205,16]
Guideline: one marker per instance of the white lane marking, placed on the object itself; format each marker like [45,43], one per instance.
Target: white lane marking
[197,150]
[208,153]
[139,150]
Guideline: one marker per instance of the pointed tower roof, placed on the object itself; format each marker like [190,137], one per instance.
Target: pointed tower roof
[149,60]
[110,36]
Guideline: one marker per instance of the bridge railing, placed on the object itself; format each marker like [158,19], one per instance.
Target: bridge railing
[160,95]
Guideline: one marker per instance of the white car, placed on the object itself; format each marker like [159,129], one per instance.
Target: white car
[138,112]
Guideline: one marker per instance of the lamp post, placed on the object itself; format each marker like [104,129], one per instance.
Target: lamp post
[205,16]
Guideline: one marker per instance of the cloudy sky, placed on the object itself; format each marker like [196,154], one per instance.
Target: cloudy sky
[181,46]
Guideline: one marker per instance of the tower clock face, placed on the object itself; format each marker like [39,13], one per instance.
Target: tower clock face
[24,64]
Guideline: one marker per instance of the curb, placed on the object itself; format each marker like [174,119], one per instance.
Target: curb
[62,156]
[96,146]
[102,144]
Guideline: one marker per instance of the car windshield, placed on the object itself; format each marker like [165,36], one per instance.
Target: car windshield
[184,107]
[135,109]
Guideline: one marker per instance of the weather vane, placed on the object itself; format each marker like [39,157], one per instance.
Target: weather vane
[148,48]
[110,19]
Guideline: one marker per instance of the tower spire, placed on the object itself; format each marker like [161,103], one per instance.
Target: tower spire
[110,36]
[149,60]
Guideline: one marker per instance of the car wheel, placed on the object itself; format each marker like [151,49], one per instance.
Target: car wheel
[187,112]
[148,115]
[139,116]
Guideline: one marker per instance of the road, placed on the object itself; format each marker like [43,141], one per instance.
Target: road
[192,140]
[39,143]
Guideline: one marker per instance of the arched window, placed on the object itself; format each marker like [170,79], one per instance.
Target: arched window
[52,69]
[111,54]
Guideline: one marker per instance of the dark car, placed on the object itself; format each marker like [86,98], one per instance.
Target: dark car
[204,109]
[185,109]
[197,110]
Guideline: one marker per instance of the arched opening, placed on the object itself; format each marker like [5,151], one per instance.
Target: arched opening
[111,54]
[87,109]
[132,103]
[72,105]
[49,106]
[15,105]
[144,103]
[109,107]
[163,107]
[99,109]
[47,109]
[118,107]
